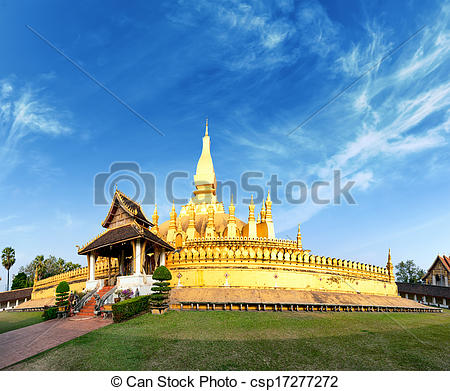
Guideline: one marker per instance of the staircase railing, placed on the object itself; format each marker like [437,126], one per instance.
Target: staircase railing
[80,304]
[103,300]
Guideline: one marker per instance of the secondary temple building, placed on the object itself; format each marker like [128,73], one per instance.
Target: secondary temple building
[216,259]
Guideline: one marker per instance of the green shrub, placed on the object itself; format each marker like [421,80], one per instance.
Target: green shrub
[50,313]
[128,308]
[62,294]
[162,274]
[62,287]
[161,288]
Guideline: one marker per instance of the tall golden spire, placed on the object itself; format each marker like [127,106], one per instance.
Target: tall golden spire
[263,213]
[232,209]
[231,226]
[299,238]
[390,267]
[269,221]
[205,177]
[172,224]
[251,220]
[155,218]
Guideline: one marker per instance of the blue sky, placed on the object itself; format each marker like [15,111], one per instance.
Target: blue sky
[257,70]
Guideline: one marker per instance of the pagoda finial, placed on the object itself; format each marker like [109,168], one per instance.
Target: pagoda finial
[231,202]
[269,221]
[155,218]
[390,267]
[251,219]
[206,129]
[299,238]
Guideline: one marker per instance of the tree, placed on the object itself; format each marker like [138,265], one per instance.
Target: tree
[408,272]
[161,288]
[21,281]
[8,259]
[48,267]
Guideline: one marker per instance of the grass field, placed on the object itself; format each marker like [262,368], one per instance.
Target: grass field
[258,341]
[16,320]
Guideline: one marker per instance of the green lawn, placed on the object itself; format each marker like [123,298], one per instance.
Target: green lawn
[258,341]
[16,320]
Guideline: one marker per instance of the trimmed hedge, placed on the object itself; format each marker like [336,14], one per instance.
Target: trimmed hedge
[162,273]
[161,288]
[62,294]
[128,308]
[50,313]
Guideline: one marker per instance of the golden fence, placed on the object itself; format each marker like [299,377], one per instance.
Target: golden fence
[273,252]
[79,275]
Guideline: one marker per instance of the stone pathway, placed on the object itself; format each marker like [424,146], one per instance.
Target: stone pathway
[17,345]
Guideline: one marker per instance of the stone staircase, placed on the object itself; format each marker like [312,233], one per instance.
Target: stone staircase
[89,307]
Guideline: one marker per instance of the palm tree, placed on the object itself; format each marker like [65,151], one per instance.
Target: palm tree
[8,259]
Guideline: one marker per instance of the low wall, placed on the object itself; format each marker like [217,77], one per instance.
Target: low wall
[76,279]
[276,276]
[244,263]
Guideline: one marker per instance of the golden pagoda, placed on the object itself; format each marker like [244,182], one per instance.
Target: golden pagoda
[217,249]
[219,261]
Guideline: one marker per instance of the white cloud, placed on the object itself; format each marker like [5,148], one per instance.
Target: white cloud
[6,89]
[24,113]
[260,35]
[400,109]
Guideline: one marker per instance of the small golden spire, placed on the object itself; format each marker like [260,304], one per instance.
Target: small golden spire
[268,196]
[389,256]
[155,218]
[299,238]
[206,130]
[251,200]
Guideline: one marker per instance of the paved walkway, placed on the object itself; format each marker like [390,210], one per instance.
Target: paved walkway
[17,345]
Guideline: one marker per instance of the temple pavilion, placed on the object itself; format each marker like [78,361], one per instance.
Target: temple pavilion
[129,243]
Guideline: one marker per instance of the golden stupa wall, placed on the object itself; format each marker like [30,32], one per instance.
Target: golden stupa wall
[272,263]
[45,288]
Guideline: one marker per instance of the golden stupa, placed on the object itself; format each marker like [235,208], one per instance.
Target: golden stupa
[216,249]
[214,257]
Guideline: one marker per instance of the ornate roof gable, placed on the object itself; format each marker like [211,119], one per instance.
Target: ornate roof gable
[124,210]
[444,260]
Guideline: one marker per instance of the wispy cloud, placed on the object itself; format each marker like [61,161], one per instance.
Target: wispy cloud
[17,229]
[24,113]
[65,218]
[397,111]
[259,35]
[7,218]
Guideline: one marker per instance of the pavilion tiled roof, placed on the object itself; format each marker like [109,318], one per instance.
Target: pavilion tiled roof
[424,289]
[122,234]
[445,260]
[16,294]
